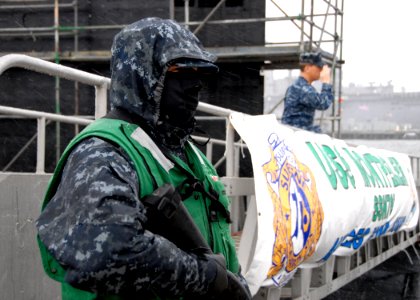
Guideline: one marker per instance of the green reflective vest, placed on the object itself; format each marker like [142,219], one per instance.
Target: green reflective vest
[143,151]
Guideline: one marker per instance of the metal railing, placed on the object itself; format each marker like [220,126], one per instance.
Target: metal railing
[337,271]
[101,85]
[41,125]
[312,283]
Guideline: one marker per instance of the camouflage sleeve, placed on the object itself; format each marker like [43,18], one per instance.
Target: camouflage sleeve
[94,227]
[320,101]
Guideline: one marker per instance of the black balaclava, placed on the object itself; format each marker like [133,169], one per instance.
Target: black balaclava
[142,54]
[178,106]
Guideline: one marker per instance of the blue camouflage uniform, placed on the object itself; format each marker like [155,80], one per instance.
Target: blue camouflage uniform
[302,100]
[93,224]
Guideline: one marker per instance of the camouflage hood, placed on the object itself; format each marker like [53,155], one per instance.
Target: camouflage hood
[141,55]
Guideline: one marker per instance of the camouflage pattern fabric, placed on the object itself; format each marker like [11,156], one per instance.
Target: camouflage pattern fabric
[93,227]
[311,58]
[302,100]
[93,224]
[141,54]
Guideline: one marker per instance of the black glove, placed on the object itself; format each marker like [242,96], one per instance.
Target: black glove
[168,217]
[220,282]
[226,285]
[237,289]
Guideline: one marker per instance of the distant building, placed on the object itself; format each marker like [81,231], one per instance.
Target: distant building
[353,89]
[378,109]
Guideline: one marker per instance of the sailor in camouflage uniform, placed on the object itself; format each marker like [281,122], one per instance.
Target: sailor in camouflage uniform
[92,231]
[301,99]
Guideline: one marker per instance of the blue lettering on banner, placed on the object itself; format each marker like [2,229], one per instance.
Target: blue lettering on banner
[380,230]
[337,243]
[355,240]
[397,224]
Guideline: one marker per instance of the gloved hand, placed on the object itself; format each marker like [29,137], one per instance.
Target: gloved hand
[220,282]
[237,289]
[226,285]
[169,218]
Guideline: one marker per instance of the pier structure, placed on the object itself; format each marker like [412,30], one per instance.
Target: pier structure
[22,194]
[56,83]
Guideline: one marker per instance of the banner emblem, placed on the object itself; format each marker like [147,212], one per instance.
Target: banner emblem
[298,214]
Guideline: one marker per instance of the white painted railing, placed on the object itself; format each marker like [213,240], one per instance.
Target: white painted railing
[100,83]
[312,283]
[41,123]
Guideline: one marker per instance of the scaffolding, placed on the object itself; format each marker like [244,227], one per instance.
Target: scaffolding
[317,24]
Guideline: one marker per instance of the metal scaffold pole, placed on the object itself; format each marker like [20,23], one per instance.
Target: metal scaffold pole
[76,49]
[307,42]
[57,79]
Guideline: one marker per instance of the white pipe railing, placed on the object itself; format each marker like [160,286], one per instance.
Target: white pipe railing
[100,83]
[39,114]
[41,118]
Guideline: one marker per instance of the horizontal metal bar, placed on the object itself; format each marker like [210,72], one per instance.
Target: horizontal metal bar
[328,118]
[39,114]
[53,69]
[239,186]
[20,1]
[32,34]
[210,118]
[120,26]
[274,52]
[46,67]
[27,29]
[217,141]
[34,6]
[215,110]
[243,21]
[60,28]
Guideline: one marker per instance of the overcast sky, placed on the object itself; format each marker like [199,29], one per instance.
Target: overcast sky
[381,40]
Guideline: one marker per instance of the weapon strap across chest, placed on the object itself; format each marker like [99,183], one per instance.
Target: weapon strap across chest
[189,185]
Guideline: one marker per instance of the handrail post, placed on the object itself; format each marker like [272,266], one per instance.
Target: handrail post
[40,154]
[209,151]
[172,9]
[230,149]
[187,13]
[230,172]
[101,100]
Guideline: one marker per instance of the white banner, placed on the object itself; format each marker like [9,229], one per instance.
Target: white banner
[317,196]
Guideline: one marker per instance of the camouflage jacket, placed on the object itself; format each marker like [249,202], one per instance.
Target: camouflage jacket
[98,191]
[302,100]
